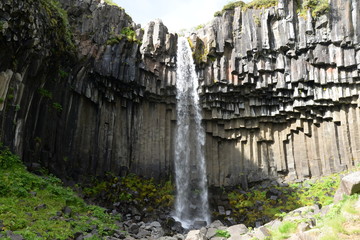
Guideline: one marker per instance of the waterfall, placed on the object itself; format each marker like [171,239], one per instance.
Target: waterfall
[191,204]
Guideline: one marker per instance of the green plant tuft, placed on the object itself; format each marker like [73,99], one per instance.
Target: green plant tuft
[230,6]
[45,93]
[127,33]
[222,233]
[317,7]
[57,106]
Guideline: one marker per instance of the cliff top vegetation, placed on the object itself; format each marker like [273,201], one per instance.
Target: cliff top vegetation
[317,7]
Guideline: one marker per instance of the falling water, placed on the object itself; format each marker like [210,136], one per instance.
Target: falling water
[192,195]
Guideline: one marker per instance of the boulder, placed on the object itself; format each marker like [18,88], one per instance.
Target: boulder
[237,230]
[195,235]
[349,185]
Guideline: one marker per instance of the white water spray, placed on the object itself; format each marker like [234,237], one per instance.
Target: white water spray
[190,170]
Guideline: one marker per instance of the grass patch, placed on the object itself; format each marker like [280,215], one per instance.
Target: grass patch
[284,231]
[33,206]
[336,224]
[259,4]
[334,221]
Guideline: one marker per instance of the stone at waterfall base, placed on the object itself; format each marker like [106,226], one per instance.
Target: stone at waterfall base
[195,235]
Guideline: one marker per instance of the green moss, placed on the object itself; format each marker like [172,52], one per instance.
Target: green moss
[317,7]
[32,206]
[59,23]
[127,33]
[143,193]
[1,25]
[110,2]
[257,21]
[199,51]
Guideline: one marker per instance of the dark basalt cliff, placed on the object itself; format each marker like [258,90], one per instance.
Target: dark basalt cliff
[279,92]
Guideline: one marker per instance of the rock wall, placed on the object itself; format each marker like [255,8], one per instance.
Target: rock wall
[103,108]
[279,91]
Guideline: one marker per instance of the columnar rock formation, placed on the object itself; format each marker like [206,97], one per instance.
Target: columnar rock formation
[279,91]
[107,109]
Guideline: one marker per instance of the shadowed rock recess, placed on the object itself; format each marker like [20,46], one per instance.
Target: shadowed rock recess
[279,92]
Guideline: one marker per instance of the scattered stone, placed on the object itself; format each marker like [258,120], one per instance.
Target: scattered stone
[261,232]
[195,235]
[143,233]
[179,236]
[303,226]
[67,210]
[134,228]
[258,224]
[33,193]
[14,236]
[211,232]
[273,197]
[155,224]
[216,224]
[237,230]
[221,210]
[41,206]
[273,224]
[199,224]
[119,234]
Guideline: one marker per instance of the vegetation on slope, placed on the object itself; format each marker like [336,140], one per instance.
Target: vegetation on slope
[255,4]
[131,191]
[267,203]
[342,221]
[317,7]
[39,207]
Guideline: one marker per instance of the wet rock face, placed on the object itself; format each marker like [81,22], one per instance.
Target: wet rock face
[279,92]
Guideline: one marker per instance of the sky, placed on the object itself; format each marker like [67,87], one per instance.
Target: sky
[175,14]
